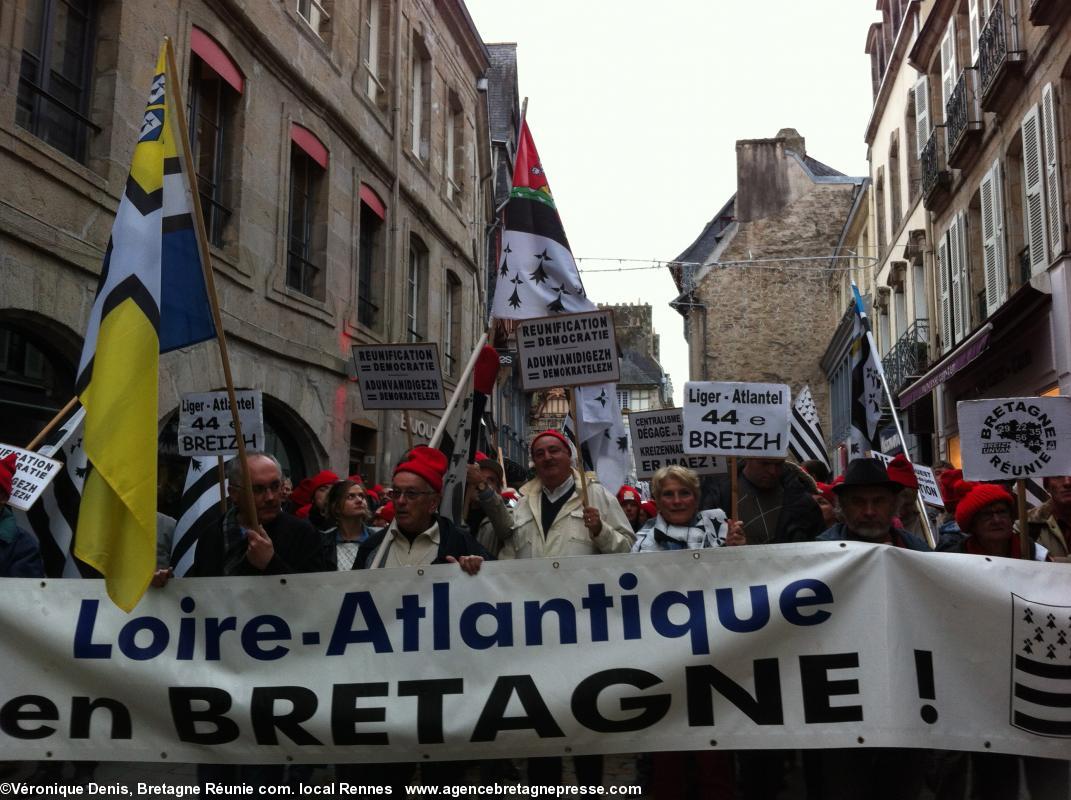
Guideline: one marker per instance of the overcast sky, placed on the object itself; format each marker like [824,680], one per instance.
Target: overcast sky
[636,107]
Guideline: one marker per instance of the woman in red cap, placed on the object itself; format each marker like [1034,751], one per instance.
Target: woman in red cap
[985,512]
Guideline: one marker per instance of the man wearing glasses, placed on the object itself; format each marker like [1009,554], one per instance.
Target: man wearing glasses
[418,536]
[278,545]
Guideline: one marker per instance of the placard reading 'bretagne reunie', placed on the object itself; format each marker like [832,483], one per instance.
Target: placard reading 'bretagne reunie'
[736,419]
[206,427]
[399,376]
[33,472]
[929,491]
[657,443]
[567,350]
[1015,437]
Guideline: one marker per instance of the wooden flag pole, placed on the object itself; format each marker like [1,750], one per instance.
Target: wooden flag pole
[733,492]
[1024,533]
[456,396]
[221,471]
[579,448]
[408,428]
[171,84]
[53,423]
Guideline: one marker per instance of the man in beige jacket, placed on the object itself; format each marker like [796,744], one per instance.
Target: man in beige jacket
[551,521]
[1051,521]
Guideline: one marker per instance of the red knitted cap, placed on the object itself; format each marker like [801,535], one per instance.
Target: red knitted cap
[550,432]
[978,497]
[7,472]
[649,508]
[427,463]
[901,471]
[324,478]
[627,492]
[386,512]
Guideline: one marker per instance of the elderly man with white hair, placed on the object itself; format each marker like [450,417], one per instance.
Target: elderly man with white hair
[551,521]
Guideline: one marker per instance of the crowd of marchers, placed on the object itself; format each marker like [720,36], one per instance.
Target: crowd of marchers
[327,523]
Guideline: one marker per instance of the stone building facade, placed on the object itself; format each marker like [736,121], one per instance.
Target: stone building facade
[994,184]
[755,286]
[342,155]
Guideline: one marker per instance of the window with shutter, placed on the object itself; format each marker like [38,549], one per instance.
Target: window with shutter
[956,276]
[973,17]
[993,255]
[1053,199]
[943,290]
[922,114]
[949,73]
[1033,192]
[962,305]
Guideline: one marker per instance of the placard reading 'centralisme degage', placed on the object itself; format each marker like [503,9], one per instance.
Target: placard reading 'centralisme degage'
[568,350]
[399,376]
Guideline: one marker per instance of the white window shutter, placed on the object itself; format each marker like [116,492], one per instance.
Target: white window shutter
[922,114]
[1033,192]
[958,289]
[974,17]
[993,257]
[949,73]
[1053,199]
[945,294]
[998,234]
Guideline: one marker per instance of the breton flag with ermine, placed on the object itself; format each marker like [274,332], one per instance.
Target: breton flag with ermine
[537,276]
[1041,668]
[151,298]
[199,511]
[867,394]
[805,440]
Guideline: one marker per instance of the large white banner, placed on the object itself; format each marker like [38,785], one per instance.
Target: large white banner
[782,646]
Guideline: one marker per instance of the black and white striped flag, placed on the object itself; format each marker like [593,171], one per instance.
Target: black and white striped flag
[805,440]
[1041,668]
[200,510]
[54,517]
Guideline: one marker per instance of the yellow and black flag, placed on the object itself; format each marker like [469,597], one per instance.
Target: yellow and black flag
[151,298]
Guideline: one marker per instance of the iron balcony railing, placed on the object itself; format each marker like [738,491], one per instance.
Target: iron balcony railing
[956,112]
[909,357]
[931,162]
[992,47]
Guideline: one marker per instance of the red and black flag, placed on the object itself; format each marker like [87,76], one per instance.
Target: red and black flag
[536,275]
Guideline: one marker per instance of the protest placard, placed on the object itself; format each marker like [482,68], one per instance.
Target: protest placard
[929,491]
[206,427]
[568,350]
[736,419]
[1015,437]
[657,443]
[399,376]
[33,473]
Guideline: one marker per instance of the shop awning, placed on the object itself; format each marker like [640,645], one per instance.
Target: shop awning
[948,366]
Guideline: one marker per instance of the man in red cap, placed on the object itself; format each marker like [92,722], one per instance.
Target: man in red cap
[629,498]
[20,555]
[319,485]
[418,536]
[907,509]
[550,521]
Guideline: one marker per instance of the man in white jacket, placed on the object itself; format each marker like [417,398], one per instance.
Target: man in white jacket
[551,521]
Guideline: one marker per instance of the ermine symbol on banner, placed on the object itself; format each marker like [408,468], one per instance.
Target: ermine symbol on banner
[1041,668]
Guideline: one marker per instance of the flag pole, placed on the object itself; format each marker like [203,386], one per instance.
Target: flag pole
[456,396]
[53,423]
[919,505]
[247,503]
[579,447]
[1024,533]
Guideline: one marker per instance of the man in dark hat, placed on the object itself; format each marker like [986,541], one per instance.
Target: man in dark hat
[868,502]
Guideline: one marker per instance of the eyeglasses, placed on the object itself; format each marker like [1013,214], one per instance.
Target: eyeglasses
[408,494]
[261,488]
[1000,513]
